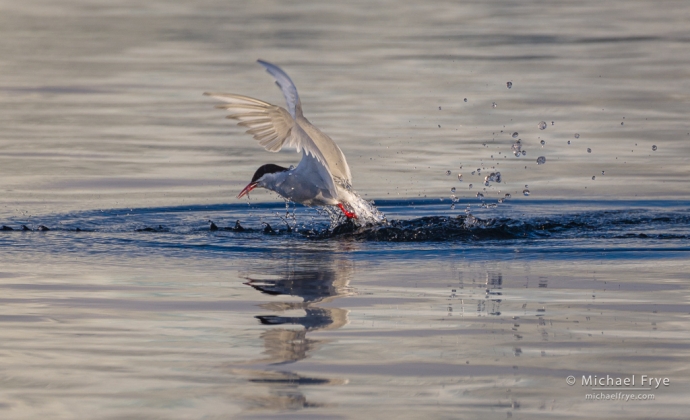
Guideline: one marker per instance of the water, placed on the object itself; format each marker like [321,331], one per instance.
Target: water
[143,297]
[480,313]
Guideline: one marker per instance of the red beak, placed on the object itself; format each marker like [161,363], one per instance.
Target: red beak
[248,188]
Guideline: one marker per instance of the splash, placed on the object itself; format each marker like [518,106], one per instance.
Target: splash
[366,211]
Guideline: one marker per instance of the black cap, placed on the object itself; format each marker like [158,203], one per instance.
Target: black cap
[268,168]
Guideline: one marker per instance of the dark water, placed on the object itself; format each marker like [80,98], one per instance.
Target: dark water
[536,225]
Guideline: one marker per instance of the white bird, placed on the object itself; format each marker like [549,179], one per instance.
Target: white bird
[322,177]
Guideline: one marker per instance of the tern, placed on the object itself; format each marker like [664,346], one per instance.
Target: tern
[322,177]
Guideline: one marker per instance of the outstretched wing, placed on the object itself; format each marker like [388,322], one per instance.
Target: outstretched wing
[285,84]
[271,125]
[334,159]
[274,127]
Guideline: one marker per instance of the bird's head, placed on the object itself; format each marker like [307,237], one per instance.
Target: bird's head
[258,177]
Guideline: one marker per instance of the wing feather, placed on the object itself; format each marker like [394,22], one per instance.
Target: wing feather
[255,122]
[261,131]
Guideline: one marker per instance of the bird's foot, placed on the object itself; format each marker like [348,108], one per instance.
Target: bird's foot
[349,214]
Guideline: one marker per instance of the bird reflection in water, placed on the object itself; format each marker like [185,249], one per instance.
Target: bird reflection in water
[489,304]
[494,284]
[316,278]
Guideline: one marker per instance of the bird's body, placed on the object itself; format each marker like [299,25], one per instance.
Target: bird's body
[305,184]
[322,177]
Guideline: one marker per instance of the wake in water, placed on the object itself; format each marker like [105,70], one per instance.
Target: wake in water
[419,224]
[596,226]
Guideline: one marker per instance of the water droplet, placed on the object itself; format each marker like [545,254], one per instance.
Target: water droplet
[459,177]
[654,148]
[577,135]
[541,160]
[470,186]
[509,85]
[589,150]
[452,190]
[542,125]
[515,135]
[525,192]
[465,99]
[447,172]
[492,177]
[542,143]
[568,141]
[493,105]
[517,148]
